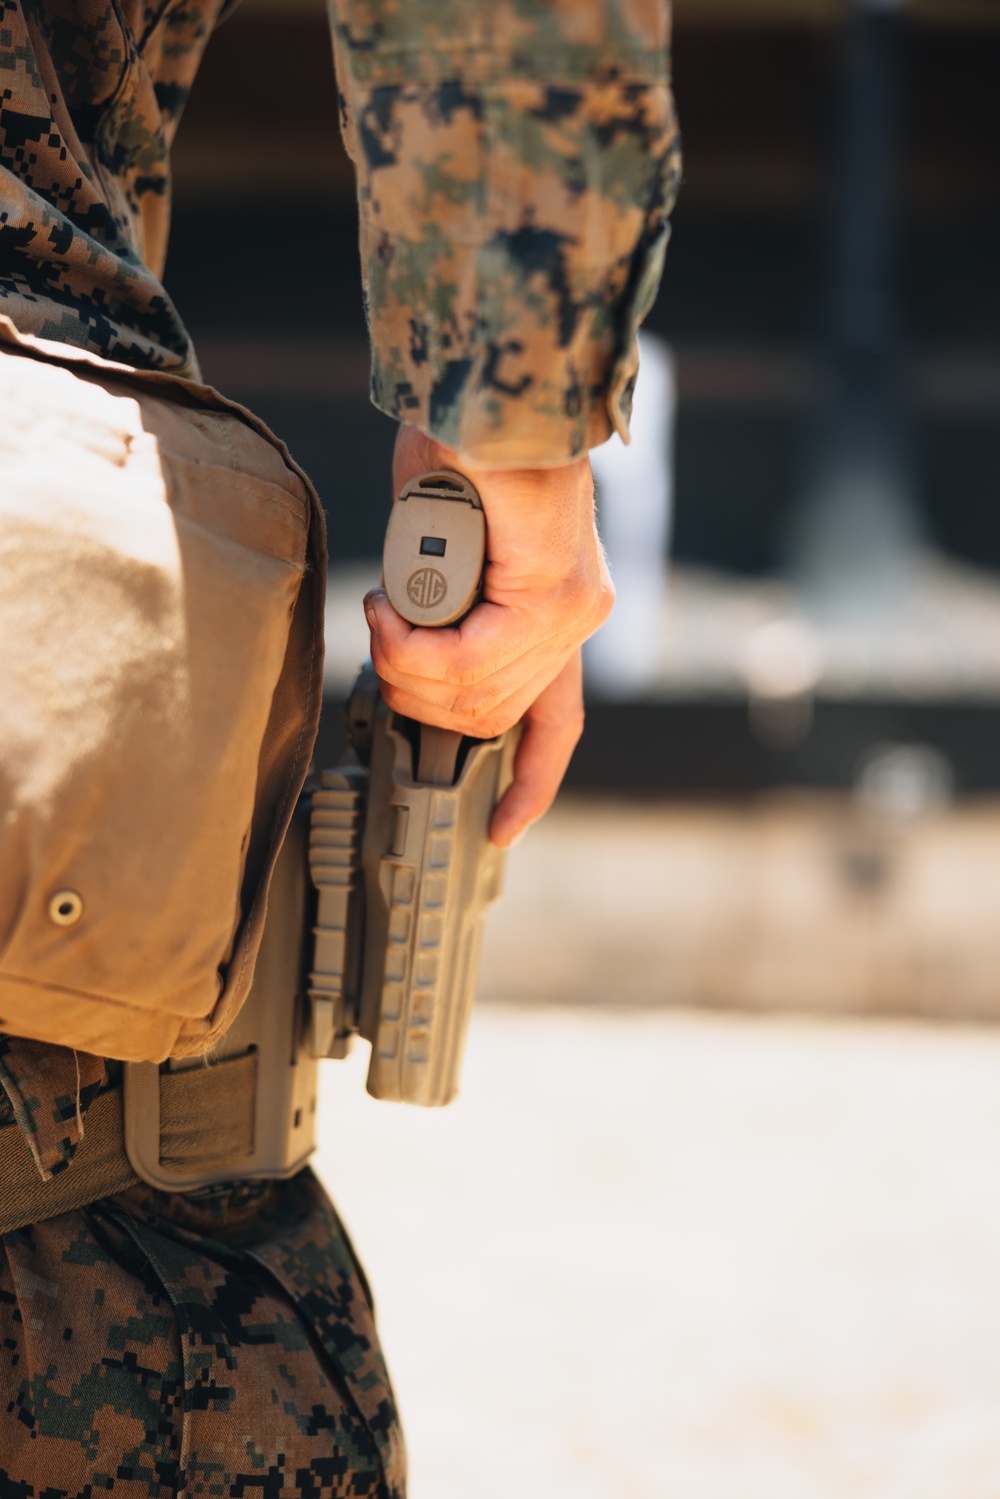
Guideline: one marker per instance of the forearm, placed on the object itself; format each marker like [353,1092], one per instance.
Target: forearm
[516,165]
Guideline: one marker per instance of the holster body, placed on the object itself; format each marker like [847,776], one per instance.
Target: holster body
[373,927]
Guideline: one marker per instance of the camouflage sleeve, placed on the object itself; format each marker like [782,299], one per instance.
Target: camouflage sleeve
[516,163]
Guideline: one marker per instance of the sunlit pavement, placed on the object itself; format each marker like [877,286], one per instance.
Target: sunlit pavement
[791,901]
[659,1253]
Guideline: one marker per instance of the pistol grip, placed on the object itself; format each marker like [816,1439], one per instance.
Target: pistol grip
[438,756]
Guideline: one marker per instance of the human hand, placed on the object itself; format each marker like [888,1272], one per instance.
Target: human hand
[516,656]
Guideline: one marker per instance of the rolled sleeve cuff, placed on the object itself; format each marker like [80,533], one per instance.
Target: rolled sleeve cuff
[523,397]
[513,230]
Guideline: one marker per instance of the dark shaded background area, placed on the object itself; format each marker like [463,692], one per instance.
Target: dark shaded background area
[264,250]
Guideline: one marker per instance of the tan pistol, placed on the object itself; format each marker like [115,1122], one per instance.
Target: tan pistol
[396,961]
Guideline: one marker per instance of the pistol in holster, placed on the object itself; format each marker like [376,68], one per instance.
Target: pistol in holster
[403,872]
[376,907]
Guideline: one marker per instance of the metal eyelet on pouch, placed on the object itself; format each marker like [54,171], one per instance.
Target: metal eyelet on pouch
[65,908]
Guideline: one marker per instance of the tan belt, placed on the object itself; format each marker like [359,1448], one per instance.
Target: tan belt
[206,1123]
[249,1113]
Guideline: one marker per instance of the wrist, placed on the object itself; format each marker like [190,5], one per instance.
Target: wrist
[416,451]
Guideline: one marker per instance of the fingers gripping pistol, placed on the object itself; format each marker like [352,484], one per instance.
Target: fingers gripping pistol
[399,846]
[378,896]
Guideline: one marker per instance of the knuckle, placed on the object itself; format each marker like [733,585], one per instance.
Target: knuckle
[496,722]
[537,806]
[492,728]
[601,613]
[469,670]
[382,659]
[476,705]
[394,699]
[573,726]
[482,719]
[584,594]
[577,593]
[389,678]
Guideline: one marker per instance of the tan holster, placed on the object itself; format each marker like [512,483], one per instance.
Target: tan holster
[374,920]
[247,1110]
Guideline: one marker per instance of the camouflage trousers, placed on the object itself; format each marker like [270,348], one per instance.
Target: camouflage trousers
[219,1343]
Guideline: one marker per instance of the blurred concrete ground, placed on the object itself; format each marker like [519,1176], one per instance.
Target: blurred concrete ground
[662,1253]
[668,1255]
[835,903]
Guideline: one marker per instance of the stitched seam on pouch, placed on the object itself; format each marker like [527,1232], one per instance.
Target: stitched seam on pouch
[228,478]
[155,1007]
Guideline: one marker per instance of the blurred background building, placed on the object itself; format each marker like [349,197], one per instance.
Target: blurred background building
[667,1254]
[815,666]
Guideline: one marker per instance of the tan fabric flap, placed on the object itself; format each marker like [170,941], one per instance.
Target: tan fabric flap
[162,565]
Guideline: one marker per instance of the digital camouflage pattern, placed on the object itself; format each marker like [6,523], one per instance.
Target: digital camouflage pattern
[90,95]
[46,1091]
[219,1343]
[516,164]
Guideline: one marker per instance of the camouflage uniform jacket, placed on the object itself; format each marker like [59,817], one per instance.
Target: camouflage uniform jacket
[516,163]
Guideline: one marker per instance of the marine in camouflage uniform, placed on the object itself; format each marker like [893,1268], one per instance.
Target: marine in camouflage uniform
[516,164]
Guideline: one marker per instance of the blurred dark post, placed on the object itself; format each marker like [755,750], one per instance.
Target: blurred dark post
[857,527]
